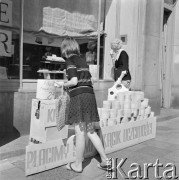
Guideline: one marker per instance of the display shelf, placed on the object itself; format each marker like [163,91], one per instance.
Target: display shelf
[50,68]
[53,62]
[51,72]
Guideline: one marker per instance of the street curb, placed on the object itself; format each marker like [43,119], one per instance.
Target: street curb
[12,154]
[166,118]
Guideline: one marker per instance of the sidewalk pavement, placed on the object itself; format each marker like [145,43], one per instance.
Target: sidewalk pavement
[164,147]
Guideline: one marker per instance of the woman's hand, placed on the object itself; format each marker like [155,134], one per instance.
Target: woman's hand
[119,80]
[123,73]
[58,84]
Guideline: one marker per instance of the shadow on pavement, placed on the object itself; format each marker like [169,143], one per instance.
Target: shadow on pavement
[9,136]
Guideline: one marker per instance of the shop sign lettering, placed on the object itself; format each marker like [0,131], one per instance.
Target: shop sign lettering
[5,43]
[5,12]
[5,20]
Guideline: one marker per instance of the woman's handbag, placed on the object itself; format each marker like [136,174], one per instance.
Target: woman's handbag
[62,109]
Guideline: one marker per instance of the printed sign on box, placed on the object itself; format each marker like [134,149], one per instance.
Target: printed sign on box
[43,121]
[41,157]
[127,134]
[46,89]
[47,111]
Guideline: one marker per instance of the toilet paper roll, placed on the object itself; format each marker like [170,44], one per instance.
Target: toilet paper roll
[127,104]
[142,111]
[138,95]
[113,113]
[116,104]
[120,112]
[132,119]
[104,122]
[127,112]
[100,112]
[121,96]
[151,114]
[125,119]
[147,110]
[107,104]
[101,123]
[127,95]
[134,105]
[141,117]
[112,121]
[105,113]
[119,119]
[135,112]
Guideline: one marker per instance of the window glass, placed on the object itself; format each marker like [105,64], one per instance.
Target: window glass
[35,60]
[89,53]
[9,65]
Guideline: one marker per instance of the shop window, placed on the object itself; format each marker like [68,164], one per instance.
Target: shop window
[35,59]
[89,53]
[10,64]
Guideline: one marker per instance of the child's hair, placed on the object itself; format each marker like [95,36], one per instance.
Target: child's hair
[69,47]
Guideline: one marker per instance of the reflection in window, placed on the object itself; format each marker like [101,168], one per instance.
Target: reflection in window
[11,64]
[35,58]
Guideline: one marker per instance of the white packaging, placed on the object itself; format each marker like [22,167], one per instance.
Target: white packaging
[105,113]
[113,113]
[117,88]
[112,121]
[46,89]
[116,104]
[107,104]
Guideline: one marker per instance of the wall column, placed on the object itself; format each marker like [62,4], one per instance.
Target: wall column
[153,30]
[112,23]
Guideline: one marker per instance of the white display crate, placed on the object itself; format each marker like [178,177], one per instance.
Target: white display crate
[43,127]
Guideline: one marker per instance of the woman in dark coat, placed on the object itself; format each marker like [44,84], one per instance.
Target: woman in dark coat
[120,60]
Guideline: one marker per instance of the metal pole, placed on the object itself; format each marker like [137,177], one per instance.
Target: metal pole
[21,42]
[98,47]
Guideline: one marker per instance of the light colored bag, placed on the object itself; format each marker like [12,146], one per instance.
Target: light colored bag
[62,109]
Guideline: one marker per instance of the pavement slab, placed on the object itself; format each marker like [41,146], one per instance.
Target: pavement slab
[165,148]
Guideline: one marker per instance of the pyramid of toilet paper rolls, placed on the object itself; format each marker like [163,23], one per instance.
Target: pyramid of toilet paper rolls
[128,106]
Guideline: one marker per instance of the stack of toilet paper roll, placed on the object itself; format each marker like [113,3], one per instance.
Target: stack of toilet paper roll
[127,107]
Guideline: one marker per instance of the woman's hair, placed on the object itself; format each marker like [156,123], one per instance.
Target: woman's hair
[92,45]
[69,47]
[116,44]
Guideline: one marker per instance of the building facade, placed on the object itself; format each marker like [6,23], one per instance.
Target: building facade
[148,28]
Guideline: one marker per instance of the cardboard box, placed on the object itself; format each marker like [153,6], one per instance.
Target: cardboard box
[46,89]
[47,112]
[41,157]
[43,126]
[128,134]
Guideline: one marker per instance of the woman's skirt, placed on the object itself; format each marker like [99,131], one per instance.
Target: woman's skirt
[83,111]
